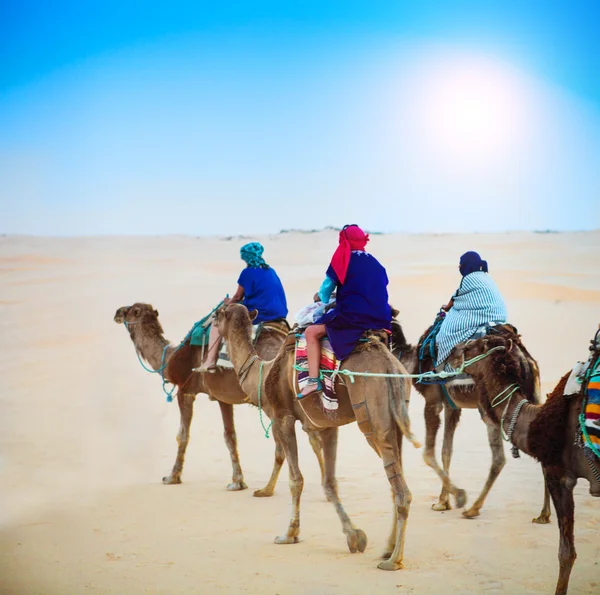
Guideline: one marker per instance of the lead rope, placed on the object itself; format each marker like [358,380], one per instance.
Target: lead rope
[262,423]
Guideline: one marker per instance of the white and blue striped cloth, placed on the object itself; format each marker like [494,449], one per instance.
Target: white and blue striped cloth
[476,302]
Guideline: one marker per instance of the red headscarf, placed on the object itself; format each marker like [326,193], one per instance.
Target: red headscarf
[352,237]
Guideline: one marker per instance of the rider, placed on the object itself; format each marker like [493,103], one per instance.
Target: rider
[360,282]
[259,288]
[476,302]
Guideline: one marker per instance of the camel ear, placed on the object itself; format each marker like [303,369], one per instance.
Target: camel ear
[253,314]
[395,312]
[156,313]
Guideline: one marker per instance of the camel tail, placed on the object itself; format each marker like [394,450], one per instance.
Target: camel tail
[397,397]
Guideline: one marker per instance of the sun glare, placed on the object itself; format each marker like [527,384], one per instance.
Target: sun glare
[468,109]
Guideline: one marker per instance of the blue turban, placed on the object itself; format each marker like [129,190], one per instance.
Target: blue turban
[252,254]
[470,262]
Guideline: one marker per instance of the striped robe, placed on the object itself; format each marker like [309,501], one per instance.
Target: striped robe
[476,302]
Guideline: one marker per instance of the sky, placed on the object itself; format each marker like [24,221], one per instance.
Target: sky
[247,117]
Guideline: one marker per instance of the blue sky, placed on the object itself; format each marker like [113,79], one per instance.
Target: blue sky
[248,117]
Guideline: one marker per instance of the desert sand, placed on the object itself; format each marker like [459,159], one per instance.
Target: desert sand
[86,434]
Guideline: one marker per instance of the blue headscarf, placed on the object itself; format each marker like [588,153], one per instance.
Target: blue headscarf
[470,262]
[252,254]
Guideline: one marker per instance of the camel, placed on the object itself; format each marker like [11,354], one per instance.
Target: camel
[146,332]
[376,403]
[550,432]
[435,402]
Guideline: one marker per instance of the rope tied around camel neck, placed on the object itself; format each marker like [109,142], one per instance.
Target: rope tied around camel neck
[163,363]
[262,423]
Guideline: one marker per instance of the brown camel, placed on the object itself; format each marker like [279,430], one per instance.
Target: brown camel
[147,335]
[461,398]
[548,432]
[376,403]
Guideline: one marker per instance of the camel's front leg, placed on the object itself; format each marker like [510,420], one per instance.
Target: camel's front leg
[186,410]
[269,489]
[562,496]
[498,462]
[284,431]
[544,517]
[432,424]
[356,538]
[451,419]
[237,480]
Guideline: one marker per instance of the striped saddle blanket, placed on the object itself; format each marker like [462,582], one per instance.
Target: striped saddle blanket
[328,363]
[591,410]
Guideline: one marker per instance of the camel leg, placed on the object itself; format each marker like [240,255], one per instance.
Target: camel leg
[315,441]
[391,453]
[451,419]
[269,489]
[498,462]
[432,424]
[237,480]
[544,517]
[562,496]
[356,538]
[391,546]
[186,410]
[284,431]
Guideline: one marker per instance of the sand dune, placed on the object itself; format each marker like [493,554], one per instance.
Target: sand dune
[86,435]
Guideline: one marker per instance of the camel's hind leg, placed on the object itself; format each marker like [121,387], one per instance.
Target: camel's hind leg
[356,538]
[391,453]
[186,410]
[432,423]
[498,462]
[237,480]
[317,446]
[284,432]
[562,496]
[544,517]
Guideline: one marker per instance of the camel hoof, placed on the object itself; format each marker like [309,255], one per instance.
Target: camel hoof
[471,513]
[237,486]
[441,506]
[389,565]
[170,480]
[263,493]
[285,540]
[357,541]
[543,519]
[461,498]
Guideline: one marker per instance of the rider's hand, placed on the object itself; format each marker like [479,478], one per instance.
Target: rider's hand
[227,301]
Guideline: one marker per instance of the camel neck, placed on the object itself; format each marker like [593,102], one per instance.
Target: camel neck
[526,414]
[150,345]
[245,362]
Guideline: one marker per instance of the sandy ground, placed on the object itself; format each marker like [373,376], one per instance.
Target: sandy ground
[86,435]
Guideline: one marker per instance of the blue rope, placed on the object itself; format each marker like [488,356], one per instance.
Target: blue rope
[163,363]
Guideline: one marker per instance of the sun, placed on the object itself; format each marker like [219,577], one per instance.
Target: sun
[469,109]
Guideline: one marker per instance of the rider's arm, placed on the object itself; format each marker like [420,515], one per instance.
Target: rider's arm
[238,296]
[325,291]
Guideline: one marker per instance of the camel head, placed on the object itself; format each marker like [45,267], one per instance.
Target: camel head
[401,349]
[234,317]
[507,363]
[138,313]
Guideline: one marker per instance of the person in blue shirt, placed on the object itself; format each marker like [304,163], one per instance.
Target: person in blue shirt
[360,283]
[259,288]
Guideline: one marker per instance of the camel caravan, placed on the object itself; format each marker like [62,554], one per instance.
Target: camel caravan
[347,360]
